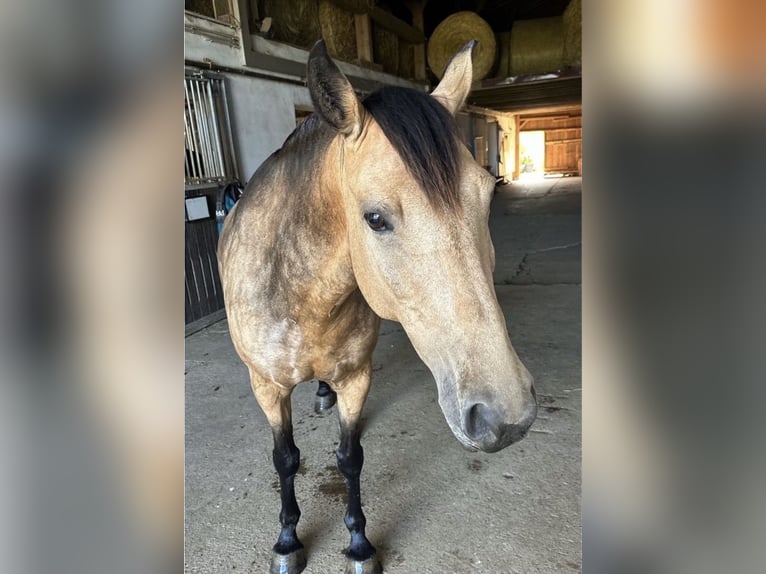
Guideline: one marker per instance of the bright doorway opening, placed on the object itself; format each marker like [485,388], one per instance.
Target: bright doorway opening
[531,155]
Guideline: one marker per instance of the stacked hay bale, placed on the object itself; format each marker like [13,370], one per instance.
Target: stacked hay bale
[453,33]
[573,34]
[406,59]
[337,27]
[294,21]
[385,49]
[531,47]
[537,46]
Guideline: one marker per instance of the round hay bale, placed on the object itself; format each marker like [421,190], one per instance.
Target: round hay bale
[573,34]
[452,34]
[385,49]
[537,46]
[338,30]
[294,21]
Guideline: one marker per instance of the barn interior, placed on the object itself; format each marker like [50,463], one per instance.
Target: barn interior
[431,506]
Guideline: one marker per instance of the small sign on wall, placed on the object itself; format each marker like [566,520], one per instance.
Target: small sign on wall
[196,208]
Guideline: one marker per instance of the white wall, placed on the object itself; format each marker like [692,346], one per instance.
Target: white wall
[507,146]
[262,116]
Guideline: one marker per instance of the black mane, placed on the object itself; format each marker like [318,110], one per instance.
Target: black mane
[419,128]
[424,135]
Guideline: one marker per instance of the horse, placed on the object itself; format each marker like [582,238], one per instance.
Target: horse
[371,209]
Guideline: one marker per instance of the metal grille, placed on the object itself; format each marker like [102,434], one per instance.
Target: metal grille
[208,155]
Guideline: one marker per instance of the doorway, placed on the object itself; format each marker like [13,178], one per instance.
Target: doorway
[532,154]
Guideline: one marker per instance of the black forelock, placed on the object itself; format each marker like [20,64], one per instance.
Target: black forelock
[424,135]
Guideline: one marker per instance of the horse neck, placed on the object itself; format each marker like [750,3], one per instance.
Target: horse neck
[321,231]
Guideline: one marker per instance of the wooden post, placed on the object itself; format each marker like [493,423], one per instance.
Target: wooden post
[363,37]
[382,18]
[517,155]
[416,7]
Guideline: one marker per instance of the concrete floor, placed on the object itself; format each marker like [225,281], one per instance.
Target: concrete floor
[431,506]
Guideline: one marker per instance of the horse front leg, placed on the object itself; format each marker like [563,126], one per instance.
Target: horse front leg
[361,555]
[288,556]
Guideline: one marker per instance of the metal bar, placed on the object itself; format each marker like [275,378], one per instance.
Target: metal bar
[206,123]
[197,136]
[216,134]
[187,167]
[207,128]
[187,133]
[188,110]
[229,137]
[201,128]
[212,168]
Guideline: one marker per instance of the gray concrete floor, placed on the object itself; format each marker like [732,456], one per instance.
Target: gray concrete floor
[431,506]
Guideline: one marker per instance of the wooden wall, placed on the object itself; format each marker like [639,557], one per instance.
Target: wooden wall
[563,138]
[203,291]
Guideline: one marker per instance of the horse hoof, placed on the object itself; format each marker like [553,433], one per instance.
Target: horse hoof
[323,404]
[292,563]
[369,566]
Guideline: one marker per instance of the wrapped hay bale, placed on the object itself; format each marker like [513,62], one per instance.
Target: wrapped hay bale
[537,46]
[453,33]
[573,34]
[385,49]
[294,21]
[338,30]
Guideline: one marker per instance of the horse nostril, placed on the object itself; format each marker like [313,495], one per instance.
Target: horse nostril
[478,422]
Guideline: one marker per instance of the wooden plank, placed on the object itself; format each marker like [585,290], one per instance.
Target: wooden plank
[384,19]
[191,273]
[188,278]
[525,96]
[419,50]
[517,159]
[363,37]
[563,141]
[188,317]
[212,244]
[199,277]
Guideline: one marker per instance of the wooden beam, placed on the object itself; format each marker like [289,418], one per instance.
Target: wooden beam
[563,141]
[383,18]
[517,159]
[363,37]
[416,8]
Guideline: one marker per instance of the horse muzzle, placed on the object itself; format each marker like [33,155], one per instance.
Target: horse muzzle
[487,428]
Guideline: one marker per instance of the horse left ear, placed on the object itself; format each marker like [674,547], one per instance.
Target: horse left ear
[331,92]
[455,84]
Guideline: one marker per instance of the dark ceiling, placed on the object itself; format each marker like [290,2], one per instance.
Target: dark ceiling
[500,14]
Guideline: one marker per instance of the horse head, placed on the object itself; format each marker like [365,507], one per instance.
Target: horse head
[416,206]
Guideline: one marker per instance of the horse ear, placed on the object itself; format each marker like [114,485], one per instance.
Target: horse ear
[331,92]
[456,81]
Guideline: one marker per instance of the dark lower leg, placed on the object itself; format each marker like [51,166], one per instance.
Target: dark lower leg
[324,389]
[287,459]
[350,460]
[325,398]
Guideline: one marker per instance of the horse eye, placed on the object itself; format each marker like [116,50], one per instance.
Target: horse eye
[375,221]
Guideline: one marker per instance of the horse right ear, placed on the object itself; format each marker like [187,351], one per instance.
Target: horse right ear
[455,84]
[331,93]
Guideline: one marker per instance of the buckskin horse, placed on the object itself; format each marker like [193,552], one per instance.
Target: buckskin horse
[370,209]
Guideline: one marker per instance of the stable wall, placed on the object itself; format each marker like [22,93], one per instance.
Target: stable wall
[262,116]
